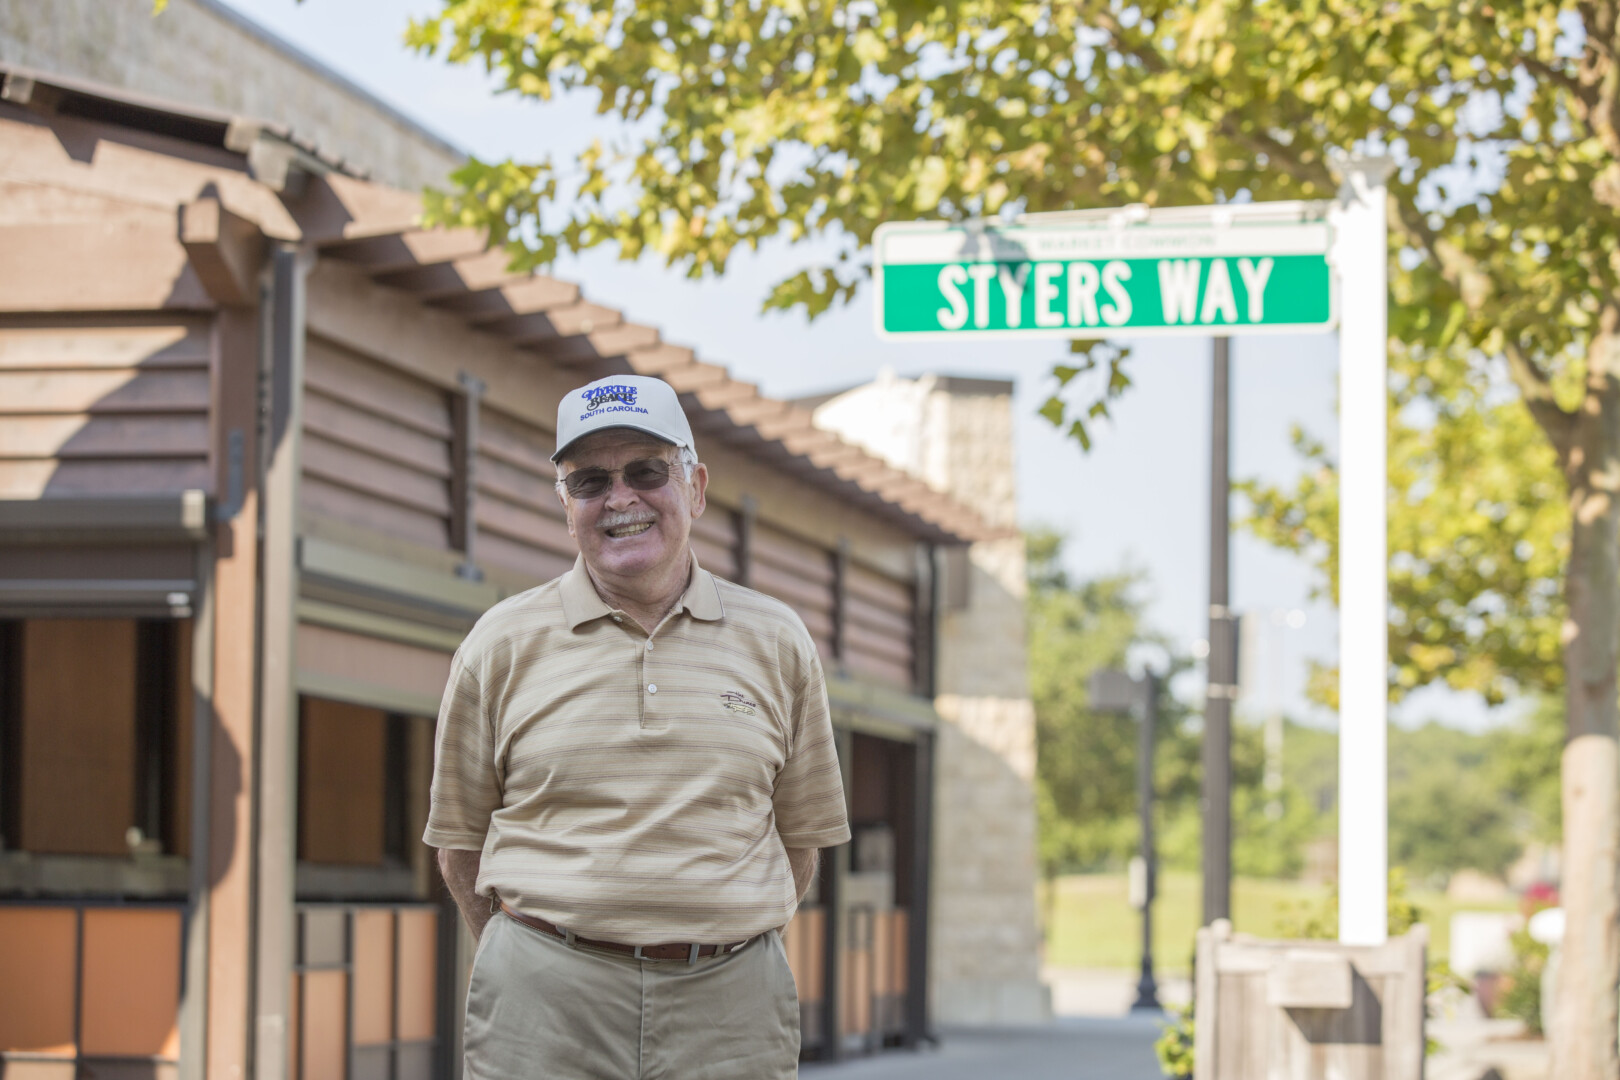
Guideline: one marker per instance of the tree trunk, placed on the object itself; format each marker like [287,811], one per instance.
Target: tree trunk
[1587,1006]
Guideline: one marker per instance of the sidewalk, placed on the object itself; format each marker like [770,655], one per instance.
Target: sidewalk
[1069,1048]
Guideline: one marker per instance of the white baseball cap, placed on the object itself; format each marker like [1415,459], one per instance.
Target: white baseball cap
[639,402]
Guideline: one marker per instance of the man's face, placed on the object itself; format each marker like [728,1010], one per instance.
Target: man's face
[626,533]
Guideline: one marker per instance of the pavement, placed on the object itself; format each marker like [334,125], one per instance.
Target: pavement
[1095,1037]
[1068,1048]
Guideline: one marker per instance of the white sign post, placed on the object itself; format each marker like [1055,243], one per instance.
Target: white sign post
[1361,259]
[1241,268]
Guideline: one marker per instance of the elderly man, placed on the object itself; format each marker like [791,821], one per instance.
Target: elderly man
[635,769]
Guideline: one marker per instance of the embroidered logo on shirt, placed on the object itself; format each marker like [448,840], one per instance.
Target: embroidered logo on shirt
[737,703]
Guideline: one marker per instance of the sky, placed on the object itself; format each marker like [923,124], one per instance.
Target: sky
[1138,501]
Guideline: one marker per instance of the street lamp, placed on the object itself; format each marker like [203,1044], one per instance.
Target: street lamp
[1114,691]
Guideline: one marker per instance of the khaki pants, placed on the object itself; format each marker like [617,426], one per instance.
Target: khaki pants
[539,1009]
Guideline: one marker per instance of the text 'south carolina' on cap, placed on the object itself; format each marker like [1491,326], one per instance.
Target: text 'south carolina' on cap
[640,402]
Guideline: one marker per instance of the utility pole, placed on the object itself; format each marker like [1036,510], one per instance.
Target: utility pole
[1222,682]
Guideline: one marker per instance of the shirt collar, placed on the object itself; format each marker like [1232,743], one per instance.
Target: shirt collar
[581,603]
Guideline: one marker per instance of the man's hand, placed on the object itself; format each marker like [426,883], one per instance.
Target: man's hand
[460,872]
[803,862]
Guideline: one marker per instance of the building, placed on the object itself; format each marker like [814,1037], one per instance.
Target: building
[202,53]
[267,449]
[957,435]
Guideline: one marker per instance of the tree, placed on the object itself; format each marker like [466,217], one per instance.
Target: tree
[1442,818]
[1086,760]
[1478,536]
[795,118]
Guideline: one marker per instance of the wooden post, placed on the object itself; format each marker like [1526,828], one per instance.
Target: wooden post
[194,1006]
[1302,1010]
[226,751]
[745,539]
[925,604]
[277,826]
[835,864]
[922,839]
[840,601]
[464,475]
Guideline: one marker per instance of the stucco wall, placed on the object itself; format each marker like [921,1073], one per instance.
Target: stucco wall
[985,948]
[200,53]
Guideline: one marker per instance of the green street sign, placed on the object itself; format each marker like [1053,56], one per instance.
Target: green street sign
[1104,278]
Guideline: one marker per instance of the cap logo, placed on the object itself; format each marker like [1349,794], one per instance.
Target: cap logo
[598,396]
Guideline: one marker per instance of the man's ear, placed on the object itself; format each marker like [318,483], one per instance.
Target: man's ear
[700,484]
[568,511]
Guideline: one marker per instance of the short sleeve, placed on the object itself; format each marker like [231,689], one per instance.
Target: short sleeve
[466,785]
[809,798]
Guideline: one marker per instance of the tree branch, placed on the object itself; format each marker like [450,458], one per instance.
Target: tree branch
[1104,20]
[1460,270]
[1584,92]
[1473,285]
[1536,387]
[1278,155]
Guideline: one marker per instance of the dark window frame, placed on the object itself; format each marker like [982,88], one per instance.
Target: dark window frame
[157,652]
[161,875]
[362,883]
[11,661]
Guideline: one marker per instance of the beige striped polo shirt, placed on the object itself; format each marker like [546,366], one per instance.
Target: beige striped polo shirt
[632,787]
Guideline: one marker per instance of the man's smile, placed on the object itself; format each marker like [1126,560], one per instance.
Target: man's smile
[620,532]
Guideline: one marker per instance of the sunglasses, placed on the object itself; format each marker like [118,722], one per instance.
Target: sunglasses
[645,474]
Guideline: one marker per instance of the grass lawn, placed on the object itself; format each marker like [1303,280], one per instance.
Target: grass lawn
[1094,926]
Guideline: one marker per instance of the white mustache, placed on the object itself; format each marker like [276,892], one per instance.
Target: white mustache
[628,517]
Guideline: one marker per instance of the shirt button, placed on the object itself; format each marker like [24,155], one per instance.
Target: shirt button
[649,646]
[617,618]
[652,688]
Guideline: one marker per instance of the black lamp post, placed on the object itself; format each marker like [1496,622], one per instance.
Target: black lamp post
[1114,691]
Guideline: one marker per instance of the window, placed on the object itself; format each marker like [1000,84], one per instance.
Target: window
[363,777]
[95,736]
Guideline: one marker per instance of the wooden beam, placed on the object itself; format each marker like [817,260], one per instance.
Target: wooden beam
[805,441]
[792,421]
[660,357]
[407,250]
[697,376]
[226,251]
[133,263]
[349,308]
[542,327]
[334,208]
[751,412]
[143,172]
[732,392]
[621,340]
[517,297]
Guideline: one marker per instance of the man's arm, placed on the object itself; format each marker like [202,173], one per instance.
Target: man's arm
[803,862]
[460,871]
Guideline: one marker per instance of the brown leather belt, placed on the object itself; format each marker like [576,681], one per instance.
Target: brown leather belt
[675,951]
